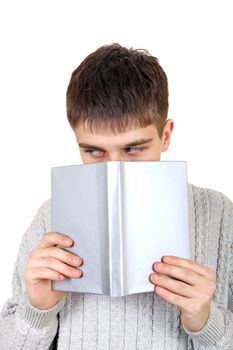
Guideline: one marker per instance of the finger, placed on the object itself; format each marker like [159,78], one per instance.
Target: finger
[43,274]
[180,273]
[190,264]
[53,238]
[173,285]
[56,265]
[58,253]
[173,298]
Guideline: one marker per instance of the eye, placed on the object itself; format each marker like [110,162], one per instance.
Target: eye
[94,152]
[134,150]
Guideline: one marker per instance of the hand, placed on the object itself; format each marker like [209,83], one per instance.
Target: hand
[47,263]
[188,285]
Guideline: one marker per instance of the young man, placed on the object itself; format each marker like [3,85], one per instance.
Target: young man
[117,104]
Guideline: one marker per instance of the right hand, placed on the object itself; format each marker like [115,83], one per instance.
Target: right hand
[47,263]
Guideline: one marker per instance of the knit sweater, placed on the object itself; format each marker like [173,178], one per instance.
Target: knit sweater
[140,321]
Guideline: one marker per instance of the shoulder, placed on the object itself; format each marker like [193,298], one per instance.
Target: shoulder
[40,224]
[217,202]
[45,208]
[215,195]
[45,212]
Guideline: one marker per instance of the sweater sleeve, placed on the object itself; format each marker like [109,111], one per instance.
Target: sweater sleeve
[217,334]
[21,325]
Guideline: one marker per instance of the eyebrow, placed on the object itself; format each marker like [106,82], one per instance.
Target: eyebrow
[127,145]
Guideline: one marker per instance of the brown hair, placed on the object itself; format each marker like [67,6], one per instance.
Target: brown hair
[116,88]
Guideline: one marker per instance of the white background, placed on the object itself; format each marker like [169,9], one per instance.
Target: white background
[42,42]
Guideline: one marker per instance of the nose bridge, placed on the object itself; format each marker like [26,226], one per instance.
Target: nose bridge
[113,156]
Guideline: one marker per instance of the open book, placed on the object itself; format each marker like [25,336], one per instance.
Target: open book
[122,216]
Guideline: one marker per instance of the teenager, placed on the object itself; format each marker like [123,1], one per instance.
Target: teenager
[117,105]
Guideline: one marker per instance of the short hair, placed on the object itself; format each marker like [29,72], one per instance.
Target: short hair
[115,89]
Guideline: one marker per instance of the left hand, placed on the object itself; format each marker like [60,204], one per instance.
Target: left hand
[188,285]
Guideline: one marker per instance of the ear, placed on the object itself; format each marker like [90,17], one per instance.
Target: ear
[167,132]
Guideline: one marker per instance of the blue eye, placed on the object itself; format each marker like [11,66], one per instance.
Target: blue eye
[134,150]
[94,152]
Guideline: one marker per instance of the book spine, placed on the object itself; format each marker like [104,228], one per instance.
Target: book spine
[120,223]
[115,234]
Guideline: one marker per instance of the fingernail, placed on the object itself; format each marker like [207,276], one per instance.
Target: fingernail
[76,273]
[166,258]
[78,261]
[68,241]
[151,278]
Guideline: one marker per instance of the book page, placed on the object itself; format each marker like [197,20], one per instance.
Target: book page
[79,210]
[154,218]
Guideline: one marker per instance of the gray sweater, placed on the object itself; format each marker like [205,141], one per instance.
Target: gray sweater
[141,321]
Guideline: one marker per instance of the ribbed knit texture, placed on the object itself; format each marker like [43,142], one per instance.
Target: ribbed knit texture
[136,322]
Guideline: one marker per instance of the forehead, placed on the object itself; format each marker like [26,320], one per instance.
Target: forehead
[106,139]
